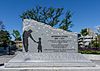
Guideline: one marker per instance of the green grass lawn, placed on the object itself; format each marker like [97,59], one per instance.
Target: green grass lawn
[89,51]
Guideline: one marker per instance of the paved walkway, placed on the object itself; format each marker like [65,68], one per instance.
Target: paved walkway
[5,58]
[96,62]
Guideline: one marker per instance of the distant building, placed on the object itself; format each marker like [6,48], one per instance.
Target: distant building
[84,41]
[19,44]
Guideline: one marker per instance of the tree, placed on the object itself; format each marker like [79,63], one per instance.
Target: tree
[2,26]
[66,23]
[16,35]
[95,44]
[4,36]
[84,32]
[98,39]
[50,16]
[98,34]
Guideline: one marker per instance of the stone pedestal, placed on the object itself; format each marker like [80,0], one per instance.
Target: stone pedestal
[49,62]
[29,60]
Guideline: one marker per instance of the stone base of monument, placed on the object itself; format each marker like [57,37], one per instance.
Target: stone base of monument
[52,69]
[49,62]
[26,60]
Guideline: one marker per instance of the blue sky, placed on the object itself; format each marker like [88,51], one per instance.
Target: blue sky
[86,13]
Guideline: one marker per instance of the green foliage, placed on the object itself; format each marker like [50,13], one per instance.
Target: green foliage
[89,51]
[66,23]
[4,36]
[50,16]
[95,43]
[16,35]
[98,39]
[84,32]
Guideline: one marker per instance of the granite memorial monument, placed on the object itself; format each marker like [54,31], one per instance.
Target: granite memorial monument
[45,46]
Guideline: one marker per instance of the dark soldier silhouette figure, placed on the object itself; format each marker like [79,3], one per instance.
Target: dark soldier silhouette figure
[26,35]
